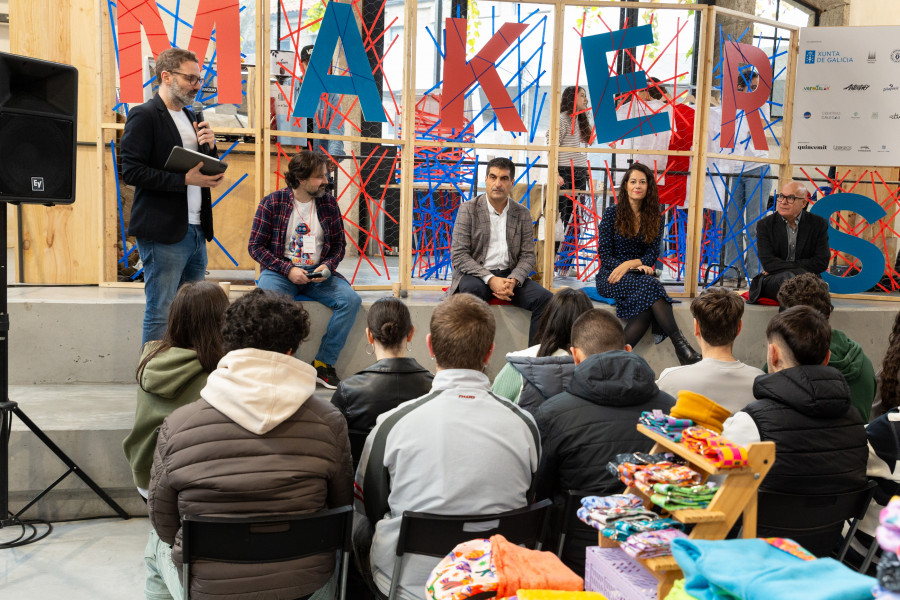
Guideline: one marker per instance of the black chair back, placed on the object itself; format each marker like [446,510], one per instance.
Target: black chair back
[266,538]
[357,441]
[815,521]
[437,535]
[569,521]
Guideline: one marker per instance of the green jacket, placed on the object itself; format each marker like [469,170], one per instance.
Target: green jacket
[848,357]
[170,380]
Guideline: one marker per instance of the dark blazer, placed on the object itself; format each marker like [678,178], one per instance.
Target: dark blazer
[472,235]
[380,388]
[813,251]
[160,210]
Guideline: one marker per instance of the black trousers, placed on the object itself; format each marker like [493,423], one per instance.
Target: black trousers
[770,284]
[531,296]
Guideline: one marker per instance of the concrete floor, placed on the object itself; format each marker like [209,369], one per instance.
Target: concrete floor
[80,560]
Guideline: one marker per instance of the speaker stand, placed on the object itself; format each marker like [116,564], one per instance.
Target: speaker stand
[7,410]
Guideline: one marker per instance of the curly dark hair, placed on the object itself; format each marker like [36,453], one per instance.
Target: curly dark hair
[567,106]
[890,368]
[555,328]
[265,320]
[304,165]
[807,289]
[626,220]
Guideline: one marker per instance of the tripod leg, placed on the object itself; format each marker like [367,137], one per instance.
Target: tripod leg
[69,462]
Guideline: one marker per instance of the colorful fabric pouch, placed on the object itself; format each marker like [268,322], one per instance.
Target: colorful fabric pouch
[466,571]
[714,447]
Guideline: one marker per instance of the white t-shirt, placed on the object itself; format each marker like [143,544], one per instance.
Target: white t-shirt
[189,141]
[729,384]
[497,257]
[305,237]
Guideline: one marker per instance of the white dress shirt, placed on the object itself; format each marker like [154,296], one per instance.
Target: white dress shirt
[497,257]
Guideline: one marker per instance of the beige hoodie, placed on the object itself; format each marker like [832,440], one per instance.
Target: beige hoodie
[258,389]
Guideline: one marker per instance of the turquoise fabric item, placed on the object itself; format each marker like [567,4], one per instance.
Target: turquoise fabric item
[764,573]
[591,291]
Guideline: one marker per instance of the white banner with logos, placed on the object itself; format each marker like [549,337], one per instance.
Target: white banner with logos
[847,97]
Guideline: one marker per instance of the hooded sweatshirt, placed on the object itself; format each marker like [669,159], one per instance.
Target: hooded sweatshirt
[820,440]
[848,357]
[583,428]
[258,442]
[169,381]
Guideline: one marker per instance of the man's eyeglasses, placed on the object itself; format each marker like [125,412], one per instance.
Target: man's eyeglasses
[788,199]
[191,79]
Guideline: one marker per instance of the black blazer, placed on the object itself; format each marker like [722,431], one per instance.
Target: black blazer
[380,388]
[813,251]
[160,210]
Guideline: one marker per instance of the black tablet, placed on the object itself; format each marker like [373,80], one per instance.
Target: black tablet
[182,160]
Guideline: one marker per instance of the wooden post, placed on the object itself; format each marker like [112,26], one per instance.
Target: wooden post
[698,165]
[551,198]
[408,147]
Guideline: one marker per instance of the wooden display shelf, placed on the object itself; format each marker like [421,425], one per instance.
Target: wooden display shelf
[736,496]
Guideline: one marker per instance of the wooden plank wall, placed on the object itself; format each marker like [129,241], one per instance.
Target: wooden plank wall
[62,244]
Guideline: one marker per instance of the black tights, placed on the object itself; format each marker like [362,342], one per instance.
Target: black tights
[661,312]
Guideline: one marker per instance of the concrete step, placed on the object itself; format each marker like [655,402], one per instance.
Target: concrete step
[88,423]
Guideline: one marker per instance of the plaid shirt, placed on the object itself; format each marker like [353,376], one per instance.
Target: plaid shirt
[270,225]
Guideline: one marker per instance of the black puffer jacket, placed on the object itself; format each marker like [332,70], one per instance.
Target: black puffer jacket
[584,428]
[542,378]
[820,440]
[378,389]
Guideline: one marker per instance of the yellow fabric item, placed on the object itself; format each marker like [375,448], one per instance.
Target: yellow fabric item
[701,410]
[556,595]
[678,593]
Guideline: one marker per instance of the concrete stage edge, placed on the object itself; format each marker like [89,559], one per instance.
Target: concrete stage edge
[73,351]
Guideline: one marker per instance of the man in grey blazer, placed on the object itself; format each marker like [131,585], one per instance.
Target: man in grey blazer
[492,251]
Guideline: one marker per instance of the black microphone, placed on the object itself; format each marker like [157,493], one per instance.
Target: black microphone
[197,109]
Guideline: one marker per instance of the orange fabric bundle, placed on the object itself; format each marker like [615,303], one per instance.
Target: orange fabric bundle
[519,568]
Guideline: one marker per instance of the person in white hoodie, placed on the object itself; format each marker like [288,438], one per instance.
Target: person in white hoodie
[257,442]
[459,450]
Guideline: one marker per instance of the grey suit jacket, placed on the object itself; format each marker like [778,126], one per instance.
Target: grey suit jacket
[472,235]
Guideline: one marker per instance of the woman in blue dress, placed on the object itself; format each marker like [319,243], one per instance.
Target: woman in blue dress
[629,239]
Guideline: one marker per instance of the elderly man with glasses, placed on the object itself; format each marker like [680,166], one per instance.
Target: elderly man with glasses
[172,212]
[789,242]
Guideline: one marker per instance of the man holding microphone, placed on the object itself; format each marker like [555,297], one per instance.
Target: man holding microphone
[171,216]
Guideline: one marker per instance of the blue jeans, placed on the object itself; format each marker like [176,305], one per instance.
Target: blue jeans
[749,199]
[335,293]
[166,267]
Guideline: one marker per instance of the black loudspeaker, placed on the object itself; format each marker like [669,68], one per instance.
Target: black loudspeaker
[38,110]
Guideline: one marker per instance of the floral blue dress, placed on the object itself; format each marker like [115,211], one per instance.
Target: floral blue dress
[634,293]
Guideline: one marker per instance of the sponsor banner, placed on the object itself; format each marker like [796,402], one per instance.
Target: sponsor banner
[845,97]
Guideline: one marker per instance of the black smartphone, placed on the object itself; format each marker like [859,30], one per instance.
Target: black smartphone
[315,275]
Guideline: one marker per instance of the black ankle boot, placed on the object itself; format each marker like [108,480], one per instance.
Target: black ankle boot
[686,355]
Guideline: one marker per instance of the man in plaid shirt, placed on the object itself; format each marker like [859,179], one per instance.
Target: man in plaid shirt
[298,240]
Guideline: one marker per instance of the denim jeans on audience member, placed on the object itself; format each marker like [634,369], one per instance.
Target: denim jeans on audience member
[336,294]
[749,197]
[166,267]
[162,577]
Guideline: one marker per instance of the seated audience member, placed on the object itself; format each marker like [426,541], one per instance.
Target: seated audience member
[789,242]
[298,240]
[458,450]
[883,434]
[583,428]
[492,249]
[393,379]
[173,371]
[846,355]
[258,441]
[719,376]
[803,406]
[532,375]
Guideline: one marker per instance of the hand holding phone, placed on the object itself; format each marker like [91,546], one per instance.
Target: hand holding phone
[315,275]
